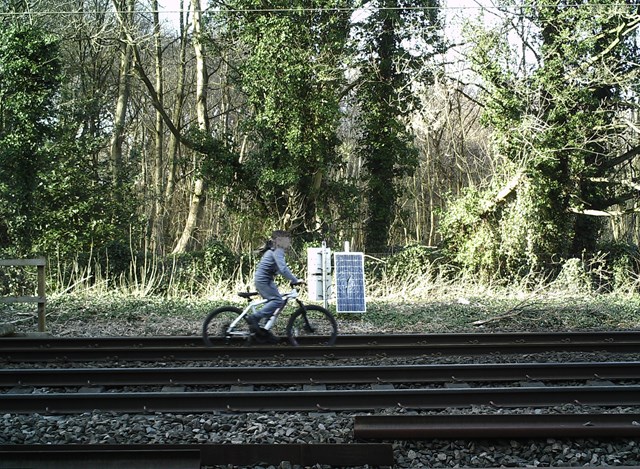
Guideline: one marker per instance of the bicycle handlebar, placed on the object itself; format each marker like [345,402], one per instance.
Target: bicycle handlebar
[293,293]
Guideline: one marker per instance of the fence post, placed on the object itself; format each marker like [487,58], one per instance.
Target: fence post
[41,299]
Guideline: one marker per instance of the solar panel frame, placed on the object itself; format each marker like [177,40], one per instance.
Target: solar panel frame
[350,282]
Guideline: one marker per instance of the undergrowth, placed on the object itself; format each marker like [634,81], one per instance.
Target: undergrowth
[419,296]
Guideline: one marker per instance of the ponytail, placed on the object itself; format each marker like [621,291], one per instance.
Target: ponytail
[268,244]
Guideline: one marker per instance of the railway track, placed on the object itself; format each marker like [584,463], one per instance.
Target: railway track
[14,350]
[74,390]
[366,428]
[314,398]
[508,338]
[291,375]
[453,390]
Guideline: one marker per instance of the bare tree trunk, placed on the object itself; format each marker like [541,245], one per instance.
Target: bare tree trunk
[202,78]
[197,195]
[174,146]
[124,76]
[157,222]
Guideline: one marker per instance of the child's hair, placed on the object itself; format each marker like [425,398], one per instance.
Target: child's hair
[280,234]
[268,244]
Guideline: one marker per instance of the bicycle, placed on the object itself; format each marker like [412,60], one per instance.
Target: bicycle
[229,322]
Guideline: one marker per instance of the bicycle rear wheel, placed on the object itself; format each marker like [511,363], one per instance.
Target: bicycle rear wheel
[217,325]
[312,321]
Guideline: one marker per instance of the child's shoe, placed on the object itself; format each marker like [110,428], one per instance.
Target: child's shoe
[254,324]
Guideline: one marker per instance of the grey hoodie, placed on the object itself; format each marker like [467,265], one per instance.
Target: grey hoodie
[272,264]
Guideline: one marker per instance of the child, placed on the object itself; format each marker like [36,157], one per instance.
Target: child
[271,264]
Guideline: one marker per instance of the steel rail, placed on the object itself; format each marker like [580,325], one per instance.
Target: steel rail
[448,373]
[164,456]
[12,351]
[294,353]
[77,458]
[398,427]
[329,400]
[497,338]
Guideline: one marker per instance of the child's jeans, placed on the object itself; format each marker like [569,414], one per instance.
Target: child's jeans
[268,292]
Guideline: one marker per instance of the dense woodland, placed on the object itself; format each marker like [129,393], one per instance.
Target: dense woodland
[511,147]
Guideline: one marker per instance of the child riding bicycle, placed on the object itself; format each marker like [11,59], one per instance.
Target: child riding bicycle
[307,321]
[272,263]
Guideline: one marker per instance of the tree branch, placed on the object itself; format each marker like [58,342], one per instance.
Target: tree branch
[622,158]
[155,100]
[619,33]
[605,213]
[623,182]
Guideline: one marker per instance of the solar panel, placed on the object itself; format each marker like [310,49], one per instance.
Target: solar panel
[350,295]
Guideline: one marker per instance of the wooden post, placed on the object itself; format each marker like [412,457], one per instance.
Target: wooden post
[41,299]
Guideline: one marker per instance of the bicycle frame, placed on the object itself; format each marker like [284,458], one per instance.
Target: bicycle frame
[251,308]
[230,322]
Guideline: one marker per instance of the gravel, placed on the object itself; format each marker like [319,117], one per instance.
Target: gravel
[278,428]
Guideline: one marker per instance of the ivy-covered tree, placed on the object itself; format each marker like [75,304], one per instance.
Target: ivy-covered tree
[395,43]
[29,79]
[55,196]
[291,73]
[562,122]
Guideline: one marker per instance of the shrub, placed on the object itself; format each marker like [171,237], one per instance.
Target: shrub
[414,260]
[213,263]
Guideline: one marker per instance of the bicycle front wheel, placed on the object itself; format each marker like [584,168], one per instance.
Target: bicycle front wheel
[314,322]
[219,323]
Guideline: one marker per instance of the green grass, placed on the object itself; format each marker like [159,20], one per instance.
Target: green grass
[486,314]
[490,311]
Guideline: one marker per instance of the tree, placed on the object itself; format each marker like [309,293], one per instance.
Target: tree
[54,198]
[392,60]
[291,73]
[560,123]
[157,219]
[202,80]
[29,79]
[127,7]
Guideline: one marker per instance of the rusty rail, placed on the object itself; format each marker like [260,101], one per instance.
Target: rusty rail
[190,456]
[399,427]
[277,375]
[446,339]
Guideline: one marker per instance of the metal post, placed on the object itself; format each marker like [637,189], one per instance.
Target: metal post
[41,297]
[324,274]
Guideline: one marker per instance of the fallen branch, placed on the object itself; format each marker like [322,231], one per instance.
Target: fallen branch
[508,315]
[513,312]
[505,192]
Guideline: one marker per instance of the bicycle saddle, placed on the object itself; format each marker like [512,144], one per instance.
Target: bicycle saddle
[247,294]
